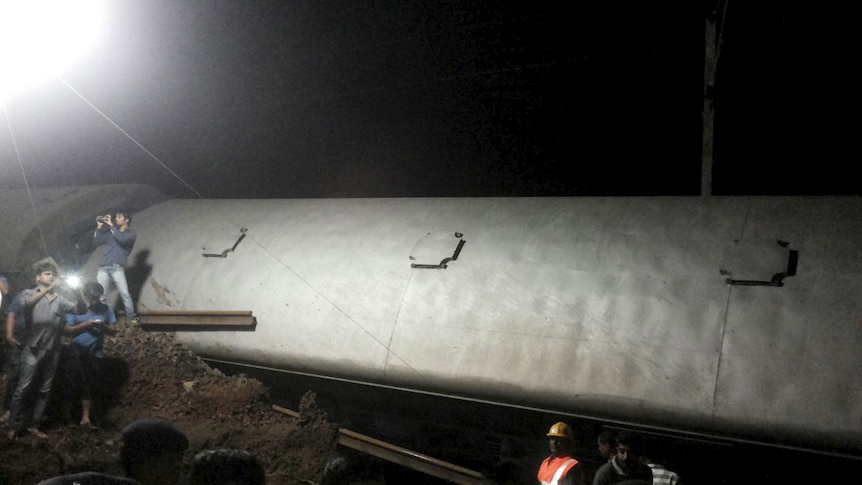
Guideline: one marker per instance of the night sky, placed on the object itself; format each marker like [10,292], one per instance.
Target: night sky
[363,98]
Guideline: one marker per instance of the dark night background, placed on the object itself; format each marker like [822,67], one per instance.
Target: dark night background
[366,98]
[435,98]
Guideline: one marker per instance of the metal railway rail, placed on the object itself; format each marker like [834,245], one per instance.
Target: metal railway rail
[190,322]
[734,318]
[401,456]
[244,320]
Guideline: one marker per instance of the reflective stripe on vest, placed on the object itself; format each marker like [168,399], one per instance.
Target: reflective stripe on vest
[560,470]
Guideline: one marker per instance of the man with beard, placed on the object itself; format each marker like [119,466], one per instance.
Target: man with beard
[625,465]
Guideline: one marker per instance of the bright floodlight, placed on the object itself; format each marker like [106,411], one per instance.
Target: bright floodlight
[73,281]
[38,38]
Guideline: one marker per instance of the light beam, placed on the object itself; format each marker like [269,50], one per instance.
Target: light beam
[39,38]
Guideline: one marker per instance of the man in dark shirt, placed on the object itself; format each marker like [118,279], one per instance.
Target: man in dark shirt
[14,332]
[625,465]
[120,239]
[607,444]
[5,300]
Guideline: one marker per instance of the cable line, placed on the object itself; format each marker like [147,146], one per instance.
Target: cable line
[250,237]
[130,137]
[26,182]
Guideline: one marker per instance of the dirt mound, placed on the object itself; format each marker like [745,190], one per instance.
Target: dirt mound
[152,375]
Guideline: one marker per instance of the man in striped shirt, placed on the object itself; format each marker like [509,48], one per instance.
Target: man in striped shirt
[661,475]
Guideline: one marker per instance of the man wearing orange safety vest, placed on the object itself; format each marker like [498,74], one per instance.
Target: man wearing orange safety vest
[560,468]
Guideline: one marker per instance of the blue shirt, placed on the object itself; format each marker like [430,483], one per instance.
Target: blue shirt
[120,244]
[90,341]
[20,319]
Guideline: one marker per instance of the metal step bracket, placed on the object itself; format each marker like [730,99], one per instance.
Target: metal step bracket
[436,250]
[758,262]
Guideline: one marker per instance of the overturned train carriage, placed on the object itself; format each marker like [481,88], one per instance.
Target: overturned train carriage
[732,317]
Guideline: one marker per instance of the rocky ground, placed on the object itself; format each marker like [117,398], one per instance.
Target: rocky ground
[155,376]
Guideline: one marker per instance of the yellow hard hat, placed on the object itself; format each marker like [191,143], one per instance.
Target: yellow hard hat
[561,430]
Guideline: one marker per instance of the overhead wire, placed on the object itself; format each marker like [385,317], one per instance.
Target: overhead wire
[460,28]
[198,194]
[130,137]
[229,220]
[26,182]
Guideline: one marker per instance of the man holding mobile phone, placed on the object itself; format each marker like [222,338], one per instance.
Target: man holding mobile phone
[115,233]
[40,313]
[86,359]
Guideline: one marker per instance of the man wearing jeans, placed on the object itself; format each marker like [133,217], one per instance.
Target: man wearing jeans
[120,239]
[44,312]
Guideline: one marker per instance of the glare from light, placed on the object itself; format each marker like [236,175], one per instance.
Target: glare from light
[39,38]
[72,281]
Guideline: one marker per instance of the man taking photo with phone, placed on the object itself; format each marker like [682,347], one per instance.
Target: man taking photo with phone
[119,239]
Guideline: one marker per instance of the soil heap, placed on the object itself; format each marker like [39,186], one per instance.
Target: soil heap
[153,376]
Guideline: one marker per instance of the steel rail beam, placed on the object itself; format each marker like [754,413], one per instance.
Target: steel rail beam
[197,320]
[402,456]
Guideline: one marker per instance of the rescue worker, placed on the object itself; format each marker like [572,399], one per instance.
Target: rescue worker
[561,468]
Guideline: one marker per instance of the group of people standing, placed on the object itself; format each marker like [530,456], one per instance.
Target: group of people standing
[38,318]
[152,454]
[625,463]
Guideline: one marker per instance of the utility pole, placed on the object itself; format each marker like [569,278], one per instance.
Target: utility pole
[712,52]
